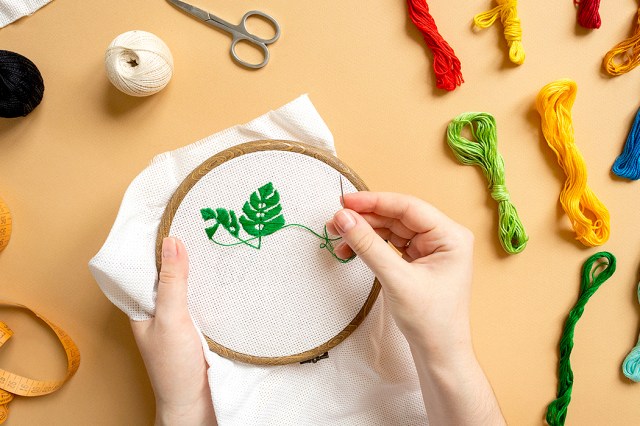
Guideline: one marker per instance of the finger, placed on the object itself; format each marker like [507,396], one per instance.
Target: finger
[343,251]
[364,241]
[395,225]
[421,247]
[384,233]
[387,235]
[414,213]
[456,238]
[139,327]
[331,228]
[407,257]
[171,300]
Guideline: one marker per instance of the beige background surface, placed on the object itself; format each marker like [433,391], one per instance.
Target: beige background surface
[64,170]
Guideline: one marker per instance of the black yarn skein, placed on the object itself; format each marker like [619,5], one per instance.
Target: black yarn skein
[21,85]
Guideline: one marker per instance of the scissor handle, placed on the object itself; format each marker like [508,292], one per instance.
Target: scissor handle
[238,38]
[241,33]
[242,26]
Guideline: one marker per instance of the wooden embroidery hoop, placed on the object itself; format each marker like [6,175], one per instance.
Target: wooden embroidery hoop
[240,150]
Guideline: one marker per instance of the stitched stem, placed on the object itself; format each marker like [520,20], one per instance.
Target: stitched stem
[261,217]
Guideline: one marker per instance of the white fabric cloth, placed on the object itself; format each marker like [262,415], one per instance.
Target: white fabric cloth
[12,10]
[368,379]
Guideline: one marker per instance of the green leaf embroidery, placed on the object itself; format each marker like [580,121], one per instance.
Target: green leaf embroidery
[262,216]
[208,214]
[262,212]
[227,219]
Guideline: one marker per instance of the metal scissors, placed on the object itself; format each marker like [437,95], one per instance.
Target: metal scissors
[238,32]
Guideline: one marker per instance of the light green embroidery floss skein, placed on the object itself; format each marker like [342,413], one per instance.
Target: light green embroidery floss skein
[483,152]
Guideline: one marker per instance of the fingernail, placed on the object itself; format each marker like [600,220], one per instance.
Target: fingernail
[169,247]
[344,221]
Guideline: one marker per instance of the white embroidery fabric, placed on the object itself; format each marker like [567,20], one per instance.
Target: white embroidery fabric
[291,295]
[12,10]
[368,379]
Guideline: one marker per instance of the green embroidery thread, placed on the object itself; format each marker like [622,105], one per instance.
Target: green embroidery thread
[262,216]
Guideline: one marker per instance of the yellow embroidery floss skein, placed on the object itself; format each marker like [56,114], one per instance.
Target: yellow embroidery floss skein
[507,10]
[628,51]
[589,217]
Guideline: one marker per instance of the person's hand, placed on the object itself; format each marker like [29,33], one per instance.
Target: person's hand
[428,292]
[171,349]
[428,288]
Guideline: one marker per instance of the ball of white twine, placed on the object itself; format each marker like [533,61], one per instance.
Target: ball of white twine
[138,63]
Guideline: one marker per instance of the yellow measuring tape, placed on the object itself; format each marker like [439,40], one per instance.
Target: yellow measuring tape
[5,225]
[12,384]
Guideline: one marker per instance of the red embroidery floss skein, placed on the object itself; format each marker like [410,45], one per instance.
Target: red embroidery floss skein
[446,64]
[588,15]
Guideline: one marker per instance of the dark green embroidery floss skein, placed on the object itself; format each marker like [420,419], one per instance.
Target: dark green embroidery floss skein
[483,152]
[592,278]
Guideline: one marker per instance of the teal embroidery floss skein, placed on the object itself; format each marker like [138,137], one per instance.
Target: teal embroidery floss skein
[631,364]
[483,152]
[592,278]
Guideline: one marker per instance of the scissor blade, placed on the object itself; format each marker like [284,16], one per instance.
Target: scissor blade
[192,10]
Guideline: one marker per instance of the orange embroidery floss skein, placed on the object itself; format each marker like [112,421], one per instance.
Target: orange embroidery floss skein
[624,56]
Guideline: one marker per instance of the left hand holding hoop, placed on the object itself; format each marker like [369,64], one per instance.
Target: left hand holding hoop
[171,349]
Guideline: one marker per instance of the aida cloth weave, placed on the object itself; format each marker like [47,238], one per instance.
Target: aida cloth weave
[12,10]
[289,296]
[368,379]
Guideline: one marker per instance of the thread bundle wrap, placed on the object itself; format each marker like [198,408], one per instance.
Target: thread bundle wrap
[624,56]
[446,64]
[627,165]
[596,270]
[483,152]
[507,10]
[631,364]
[588,13]
[138,63]
[588,215]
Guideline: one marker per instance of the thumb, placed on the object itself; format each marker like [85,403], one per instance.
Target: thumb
[172,279]
[368,245]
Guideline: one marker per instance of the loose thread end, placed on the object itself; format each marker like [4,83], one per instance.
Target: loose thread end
[512,234]
[598,268]
[516,53]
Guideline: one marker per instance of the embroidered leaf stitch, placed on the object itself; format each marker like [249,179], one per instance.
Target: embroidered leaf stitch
[262,216]
[262,212]
[227,219]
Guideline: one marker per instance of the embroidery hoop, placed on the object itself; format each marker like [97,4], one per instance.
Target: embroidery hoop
[237,151]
